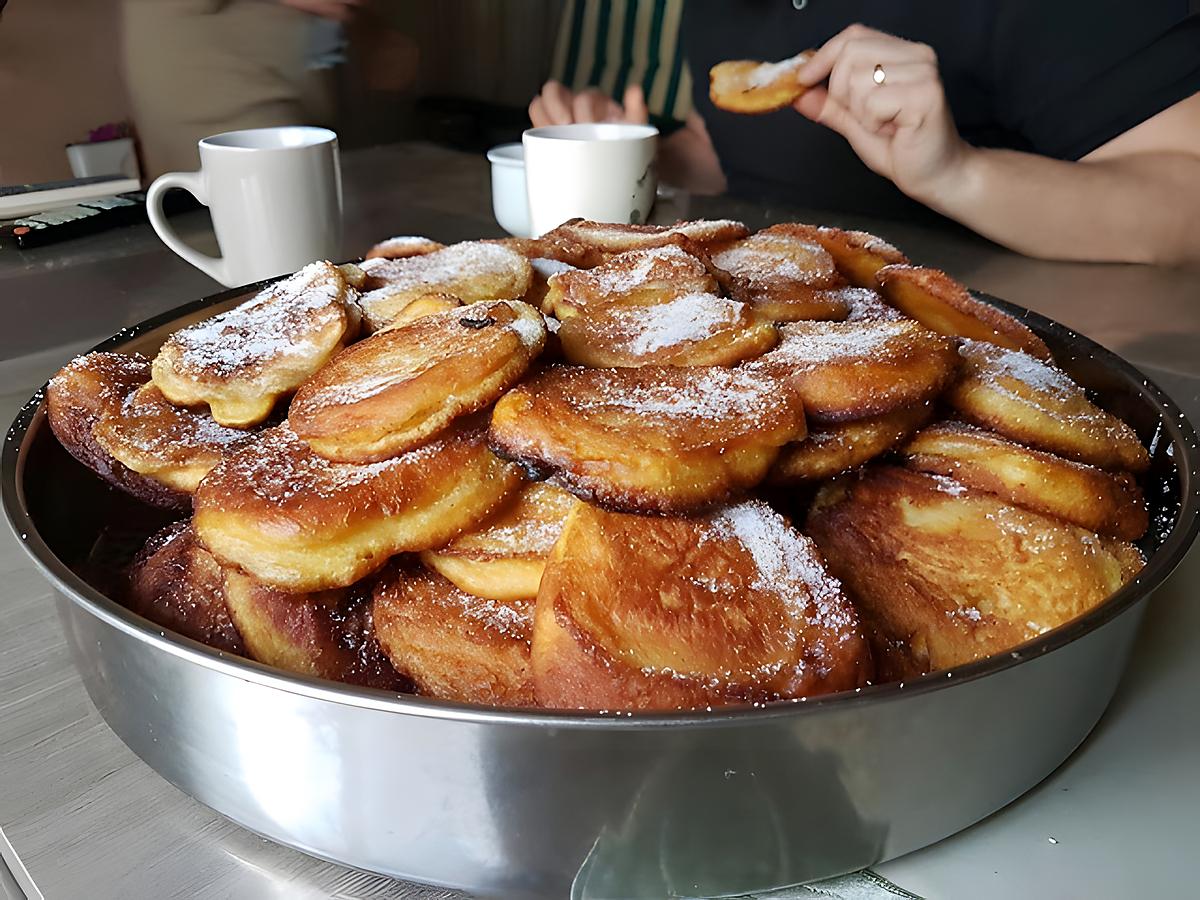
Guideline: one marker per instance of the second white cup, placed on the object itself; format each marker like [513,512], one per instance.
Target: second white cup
[602,171]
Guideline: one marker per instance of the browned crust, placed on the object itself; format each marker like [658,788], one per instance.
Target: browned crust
[83,391]
[691,626]
[944,305]
[1083,495]
[453,645]
[730,90]
[858,255]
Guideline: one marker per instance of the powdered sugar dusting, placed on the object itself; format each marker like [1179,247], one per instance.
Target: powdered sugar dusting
[442,269]
[768,73]
[1019,365]
[702,393]
[513,618]
[866,305]
[548,267]
[684,320]
[810,344]
[635,268]
[287,320]
[787,562]
[759,259]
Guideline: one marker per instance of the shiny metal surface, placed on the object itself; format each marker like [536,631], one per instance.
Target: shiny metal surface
[523,804]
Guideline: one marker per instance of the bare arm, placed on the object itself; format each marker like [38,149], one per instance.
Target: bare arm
[1136,199]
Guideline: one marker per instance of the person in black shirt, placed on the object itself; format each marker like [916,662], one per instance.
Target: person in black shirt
[1066,130]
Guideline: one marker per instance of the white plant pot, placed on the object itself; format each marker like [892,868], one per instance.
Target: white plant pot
[115,157]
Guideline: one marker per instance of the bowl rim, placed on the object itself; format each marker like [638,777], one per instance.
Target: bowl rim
[1173,424]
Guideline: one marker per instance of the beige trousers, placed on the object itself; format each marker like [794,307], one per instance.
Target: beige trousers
[200,67]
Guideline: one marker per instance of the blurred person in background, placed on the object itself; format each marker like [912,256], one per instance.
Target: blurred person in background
[1064,130]
[199,67]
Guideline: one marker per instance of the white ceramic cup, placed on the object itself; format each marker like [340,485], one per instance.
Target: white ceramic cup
[602,171]
[275,195]
[510,203]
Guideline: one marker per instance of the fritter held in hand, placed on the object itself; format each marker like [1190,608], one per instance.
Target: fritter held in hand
[504,559]
[471,271]
[690,330]
[241,361]
[944,305]
[454,645]
[748,86]
[82,393]
[1083,495]
[396,389]
[657,439]
[944,575]
[1027,400]
[646,612]
[853,370]
[299,522]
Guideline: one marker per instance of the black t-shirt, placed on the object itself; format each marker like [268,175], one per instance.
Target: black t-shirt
[1054,77]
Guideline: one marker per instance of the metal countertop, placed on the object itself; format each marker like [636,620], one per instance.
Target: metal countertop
[83,817]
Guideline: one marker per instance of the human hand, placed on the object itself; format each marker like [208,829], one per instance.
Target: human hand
[557,105]
[337,10]
[900,126]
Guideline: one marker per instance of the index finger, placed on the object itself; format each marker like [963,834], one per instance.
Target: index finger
[820,64]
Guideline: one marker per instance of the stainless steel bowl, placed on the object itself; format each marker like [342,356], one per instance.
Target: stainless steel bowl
[526,803]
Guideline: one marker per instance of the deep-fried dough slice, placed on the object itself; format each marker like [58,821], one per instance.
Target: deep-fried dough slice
[472,271]
[866,305]
[88,388]
[943,575]
[421,307]
[749,86]
[555,248]
[644,612]
[354,276]
[783,277]
[174,582]
[1013,394]
[838,448]
[852,370]
[241,361]
[543,269]
[394,390]
[660,439]
[858,255]
[403,246]
[299,522]
[690,330]
[1083,495]
[634,278]
[453,645]
[612,237]
[175,446]
[944,305]
[327,634]
[505,558]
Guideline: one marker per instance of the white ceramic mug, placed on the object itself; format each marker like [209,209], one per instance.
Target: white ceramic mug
[602,171]
[510,202]
[275,195]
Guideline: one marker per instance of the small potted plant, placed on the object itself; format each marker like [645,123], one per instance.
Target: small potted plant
[108,150]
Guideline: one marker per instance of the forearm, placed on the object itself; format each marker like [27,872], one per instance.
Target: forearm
[1142,208]
[687,160]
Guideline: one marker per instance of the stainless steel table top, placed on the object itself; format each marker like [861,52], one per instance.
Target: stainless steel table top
[84,817]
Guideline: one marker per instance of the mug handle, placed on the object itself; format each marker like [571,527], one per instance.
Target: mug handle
[213,266]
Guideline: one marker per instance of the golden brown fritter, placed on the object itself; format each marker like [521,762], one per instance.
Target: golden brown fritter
[1083,495]
[242,361]
[504,559]
[453,645]
[299,522]
[732,607]
[944,575]
[751,87]
[782,277]
[398,388]
[655,439]
[833,449]
[1030,401]
[944,305]
[853,370]
[84,391]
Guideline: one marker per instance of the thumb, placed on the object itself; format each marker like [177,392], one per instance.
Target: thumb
[635,105]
